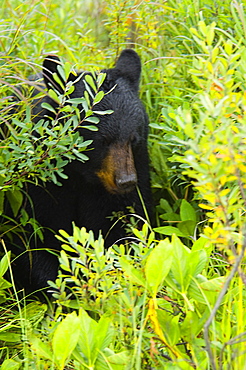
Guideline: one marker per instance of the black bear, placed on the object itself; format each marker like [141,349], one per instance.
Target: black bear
[105,183]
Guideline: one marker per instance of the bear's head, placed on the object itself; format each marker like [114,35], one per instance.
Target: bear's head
[122,135]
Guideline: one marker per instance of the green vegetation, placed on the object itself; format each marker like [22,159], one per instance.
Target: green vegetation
[178,301]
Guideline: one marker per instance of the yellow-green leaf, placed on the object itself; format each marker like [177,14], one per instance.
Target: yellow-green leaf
[158,265]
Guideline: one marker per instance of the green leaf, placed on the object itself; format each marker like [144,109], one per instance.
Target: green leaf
[10,337]
[41,348]
[33,312]
[4,284]
[64,261]
[104,334]
[99,96]
[91,82]
[166,206]
[207,291]
[88,337]
[15,199]
[103,112]
[48,107]
[86,102]
[70,89]
[169,326]
[94,120]
[4,263]
[189,130]
[118,361]
[187,212]
[202,243]
[134,275]
[169,230]
[90,127]
[100,79]
[179,274]
[76,101]
[187,227]
[210,33]
[214,285]
[53,96]
[10,364]
[60,70]
[191,326]
[158,265]
[65,338]
[67,70]
[170,217]
[64,234]
[198,260]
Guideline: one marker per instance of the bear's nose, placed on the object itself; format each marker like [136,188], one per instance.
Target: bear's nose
[126,183]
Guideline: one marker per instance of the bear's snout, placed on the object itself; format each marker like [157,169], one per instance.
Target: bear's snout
[127,182]
[118,173]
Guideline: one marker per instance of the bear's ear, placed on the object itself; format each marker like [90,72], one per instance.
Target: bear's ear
[50,66]
[129,66]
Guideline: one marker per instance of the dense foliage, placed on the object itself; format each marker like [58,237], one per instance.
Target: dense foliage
[175,297]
